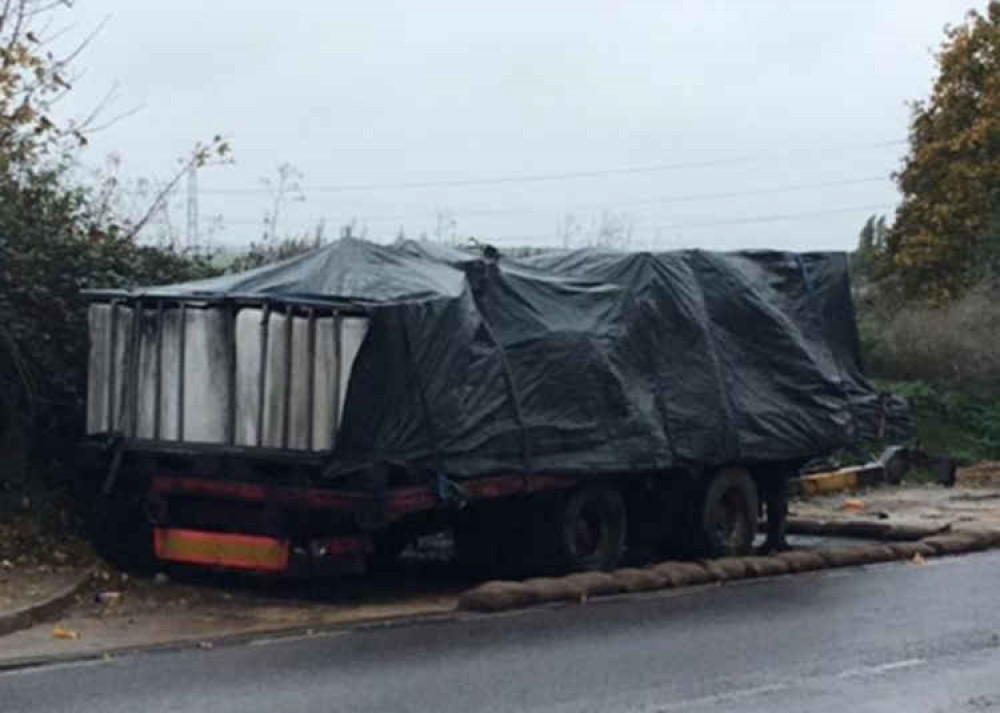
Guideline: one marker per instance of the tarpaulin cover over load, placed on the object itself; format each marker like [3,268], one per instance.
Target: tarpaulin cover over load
[586,361]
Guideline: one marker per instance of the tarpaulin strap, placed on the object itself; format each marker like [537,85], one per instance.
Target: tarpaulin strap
[650,262]
[448,491]
[508,378]
[432,431]
[515,401]
[706,324]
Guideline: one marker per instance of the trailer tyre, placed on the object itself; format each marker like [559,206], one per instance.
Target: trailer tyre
[728,515]
[593,527]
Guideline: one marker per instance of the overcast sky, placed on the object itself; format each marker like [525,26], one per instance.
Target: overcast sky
[702,124]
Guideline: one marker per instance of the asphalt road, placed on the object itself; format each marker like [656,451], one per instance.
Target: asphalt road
[897,637]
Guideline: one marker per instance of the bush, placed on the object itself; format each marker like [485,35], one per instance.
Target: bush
[945,361]
[51,248]
[962,422]
[953,344]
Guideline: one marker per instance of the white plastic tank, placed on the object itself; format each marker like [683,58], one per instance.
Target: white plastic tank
[193,373]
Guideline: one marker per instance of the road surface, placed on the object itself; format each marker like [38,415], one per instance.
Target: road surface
[893,637]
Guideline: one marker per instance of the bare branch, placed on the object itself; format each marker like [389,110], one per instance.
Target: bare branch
[159,200]
[101,105]
[20,365]
[19,18]
[113,120]
[42,9]
[84,43]
[5,14]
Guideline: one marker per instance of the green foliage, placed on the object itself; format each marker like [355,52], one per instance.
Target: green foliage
[868,260]
[944,360]
[961,422]
[50,250]
[945,236]
[57,239]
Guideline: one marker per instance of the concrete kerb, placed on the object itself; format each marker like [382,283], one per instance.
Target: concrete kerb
[224,640]
[48,608]
[504,595]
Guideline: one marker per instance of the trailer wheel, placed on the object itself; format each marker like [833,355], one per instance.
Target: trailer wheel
[592,528]
[728,514]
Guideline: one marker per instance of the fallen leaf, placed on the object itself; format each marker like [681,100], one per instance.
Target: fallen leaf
[853,504]
[61,633]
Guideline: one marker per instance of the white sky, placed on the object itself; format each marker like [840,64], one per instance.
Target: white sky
[762,99]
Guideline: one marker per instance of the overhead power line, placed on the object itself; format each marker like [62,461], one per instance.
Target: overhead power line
[542,177]
[772,218]
[664,200]
[777,217]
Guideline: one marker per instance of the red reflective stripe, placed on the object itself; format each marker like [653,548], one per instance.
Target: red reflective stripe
[409,500]
[399,501]
[203,486]
[252,492]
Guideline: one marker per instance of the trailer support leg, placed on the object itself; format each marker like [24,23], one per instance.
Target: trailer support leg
[774,494]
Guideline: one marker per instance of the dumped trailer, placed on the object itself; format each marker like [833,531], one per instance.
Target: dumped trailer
[561,409]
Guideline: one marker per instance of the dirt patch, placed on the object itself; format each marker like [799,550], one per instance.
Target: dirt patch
[178,591]
[913,508]
[981,475]
[42,535]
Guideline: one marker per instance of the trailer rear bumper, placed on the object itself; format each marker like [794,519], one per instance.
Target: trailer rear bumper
[221,549]
[261,554]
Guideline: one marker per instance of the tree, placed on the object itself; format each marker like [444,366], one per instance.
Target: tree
[945,234]
[283,190]
[612,230]
[272,246]
[868,261]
